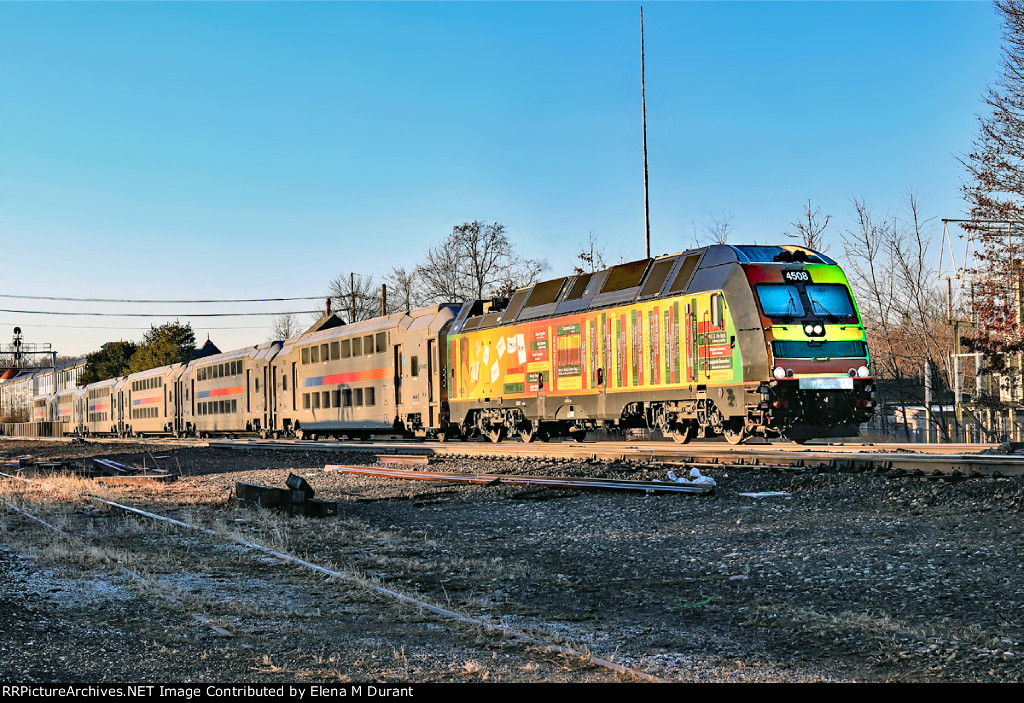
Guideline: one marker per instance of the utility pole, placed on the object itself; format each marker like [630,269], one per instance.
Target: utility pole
[643,109]
[352,292]
[927,402]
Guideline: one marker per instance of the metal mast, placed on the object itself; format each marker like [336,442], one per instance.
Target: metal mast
[643,107]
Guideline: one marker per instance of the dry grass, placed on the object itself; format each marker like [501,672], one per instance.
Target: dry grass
[474,669]
[268,666]
[881,625]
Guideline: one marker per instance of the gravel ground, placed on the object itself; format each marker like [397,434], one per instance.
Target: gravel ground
[853,577]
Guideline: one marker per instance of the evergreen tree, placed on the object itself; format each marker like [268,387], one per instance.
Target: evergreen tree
[109,362]
[170,343]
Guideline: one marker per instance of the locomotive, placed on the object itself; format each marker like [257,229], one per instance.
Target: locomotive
[723,340]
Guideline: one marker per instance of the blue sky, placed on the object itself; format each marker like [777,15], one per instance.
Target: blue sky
[246,150]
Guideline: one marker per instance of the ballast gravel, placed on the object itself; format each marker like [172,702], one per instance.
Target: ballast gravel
[852,576]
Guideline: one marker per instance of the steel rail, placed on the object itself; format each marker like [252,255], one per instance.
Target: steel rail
[518,480]
[503,630]
[952,460]
[947,459]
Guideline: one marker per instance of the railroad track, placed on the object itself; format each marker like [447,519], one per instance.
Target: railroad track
[951,459]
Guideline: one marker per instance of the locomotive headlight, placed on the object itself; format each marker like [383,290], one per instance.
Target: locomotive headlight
[809,329]
[863,372]
[818,329]
[779,372]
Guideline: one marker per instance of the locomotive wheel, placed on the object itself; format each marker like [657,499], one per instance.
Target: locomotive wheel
[531,432]
[683,435]
[496,434]
[734,432]
[577,435]
[442,436]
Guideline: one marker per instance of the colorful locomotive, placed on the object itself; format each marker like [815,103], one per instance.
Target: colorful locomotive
[722,340]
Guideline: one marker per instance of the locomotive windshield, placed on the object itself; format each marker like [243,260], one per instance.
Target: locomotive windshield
[831,300]
[780,301]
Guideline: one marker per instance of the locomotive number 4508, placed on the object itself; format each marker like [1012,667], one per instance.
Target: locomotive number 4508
[796,276]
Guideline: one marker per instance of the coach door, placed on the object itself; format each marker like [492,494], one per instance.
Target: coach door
[268,397]
[431,371]
[399,373]
[176,427]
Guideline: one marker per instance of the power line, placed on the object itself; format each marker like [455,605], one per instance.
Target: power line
[158,314]
[130,300]
[118,327]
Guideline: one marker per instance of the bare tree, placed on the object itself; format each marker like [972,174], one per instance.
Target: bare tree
[889,266]
[354,297]
[477,260]
[719,229]
[809,231]
[591,256]
[285,326]
[403,289]
[439,273]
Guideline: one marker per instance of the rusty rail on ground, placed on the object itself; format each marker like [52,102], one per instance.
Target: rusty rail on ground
[416,459]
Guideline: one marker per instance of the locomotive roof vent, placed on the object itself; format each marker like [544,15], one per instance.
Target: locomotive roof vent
[798,256]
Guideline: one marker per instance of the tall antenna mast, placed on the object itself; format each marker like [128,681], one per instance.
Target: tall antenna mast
[643,107]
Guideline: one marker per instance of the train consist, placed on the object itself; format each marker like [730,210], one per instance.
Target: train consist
[723,340]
